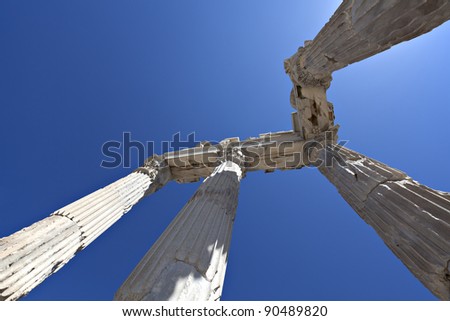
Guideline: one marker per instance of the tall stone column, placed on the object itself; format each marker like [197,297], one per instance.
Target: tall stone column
[30,255]
[362,28]
[357,30]
[188,261]
[412,219]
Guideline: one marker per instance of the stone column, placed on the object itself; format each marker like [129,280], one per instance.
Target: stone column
[412,219]
[357,30]
[362,28]
[30,255]
[188,261]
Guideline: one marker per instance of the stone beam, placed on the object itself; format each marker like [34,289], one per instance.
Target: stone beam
[268,152]
[412,219]
[32,254]
[188,261]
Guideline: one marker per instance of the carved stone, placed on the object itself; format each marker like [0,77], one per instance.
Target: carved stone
[30,255]
[357,30]
[412,219]
[362,28]
[188,261]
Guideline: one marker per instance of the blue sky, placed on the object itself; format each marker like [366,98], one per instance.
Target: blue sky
[74,75]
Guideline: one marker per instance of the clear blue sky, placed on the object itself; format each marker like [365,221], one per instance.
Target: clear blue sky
[75,74]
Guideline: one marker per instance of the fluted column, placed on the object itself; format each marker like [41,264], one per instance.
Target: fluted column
[30,255]
[188,261]
[357,30]
[362,28]
[412,219]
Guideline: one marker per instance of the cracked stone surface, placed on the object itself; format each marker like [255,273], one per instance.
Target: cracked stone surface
[362,28]
[412,219]
[357,30]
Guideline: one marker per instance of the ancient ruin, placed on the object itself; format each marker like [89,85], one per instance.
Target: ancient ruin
[189,260]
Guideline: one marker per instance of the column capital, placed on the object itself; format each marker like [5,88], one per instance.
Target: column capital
[158,170]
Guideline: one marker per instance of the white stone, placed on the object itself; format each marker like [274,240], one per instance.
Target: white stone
[30,255]
[188,261]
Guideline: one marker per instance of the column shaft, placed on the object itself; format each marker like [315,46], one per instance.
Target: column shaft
[362,28]
[412,219]
[30,255]
[188,261]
